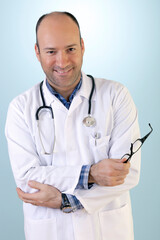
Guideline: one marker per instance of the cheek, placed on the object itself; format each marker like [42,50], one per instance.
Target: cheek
[48,63]
[77,60]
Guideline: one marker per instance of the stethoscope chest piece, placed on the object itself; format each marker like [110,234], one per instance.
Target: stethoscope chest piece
[89,121]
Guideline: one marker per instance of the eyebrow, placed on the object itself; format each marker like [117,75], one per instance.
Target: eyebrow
[68,46]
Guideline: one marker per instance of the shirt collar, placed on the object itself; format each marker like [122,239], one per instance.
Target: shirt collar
[84,90]
[60,97]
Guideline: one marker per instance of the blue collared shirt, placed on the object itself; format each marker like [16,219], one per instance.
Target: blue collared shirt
[83,179]
[61,98]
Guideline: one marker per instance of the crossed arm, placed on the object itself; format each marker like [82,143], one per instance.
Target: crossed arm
[107,172]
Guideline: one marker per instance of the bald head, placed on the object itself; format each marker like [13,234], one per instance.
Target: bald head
[60,51]
[58,16]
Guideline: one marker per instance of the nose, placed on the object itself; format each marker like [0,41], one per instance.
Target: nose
[62,59]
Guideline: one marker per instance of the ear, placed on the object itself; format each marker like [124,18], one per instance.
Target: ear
[82,46]
[37,52]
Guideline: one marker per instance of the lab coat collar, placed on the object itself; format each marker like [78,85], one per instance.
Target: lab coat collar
[48,96]
[86,87]
[84,91]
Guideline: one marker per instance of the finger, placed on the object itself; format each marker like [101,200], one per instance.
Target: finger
[121,166]
[120,172]
[35,184]
[123,172]
[113,183]
[27,196]
[119,182]
[119,160]
[127,163]
[19,192]
[117,178]
[123,160]
[32,202]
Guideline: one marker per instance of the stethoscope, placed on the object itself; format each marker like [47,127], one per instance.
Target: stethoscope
[88,121]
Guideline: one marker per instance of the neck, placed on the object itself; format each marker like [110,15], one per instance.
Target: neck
[66,94]
[65,91]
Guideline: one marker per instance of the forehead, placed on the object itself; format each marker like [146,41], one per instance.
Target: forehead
[58,29]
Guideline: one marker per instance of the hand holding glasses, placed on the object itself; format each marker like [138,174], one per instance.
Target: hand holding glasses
[136,145]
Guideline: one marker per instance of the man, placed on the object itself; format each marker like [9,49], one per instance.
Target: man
[68,169]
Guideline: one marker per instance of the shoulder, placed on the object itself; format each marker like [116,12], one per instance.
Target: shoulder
[110,88]
[105,84]
[108,85]
[111,91]
[26,98]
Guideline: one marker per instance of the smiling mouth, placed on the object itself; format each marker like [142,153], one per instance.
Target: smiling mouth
[63,72]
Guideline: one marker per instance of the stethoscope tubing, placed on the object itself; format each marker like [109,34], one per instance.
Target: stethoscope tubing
[90,97]
[88,121]
[44,106]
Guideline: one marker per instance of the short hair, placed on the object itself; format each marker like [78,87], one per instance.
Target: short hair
[47,14]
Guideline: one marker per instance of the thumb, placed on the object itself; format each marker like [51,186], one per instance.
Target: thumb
[123,160]
[35,184]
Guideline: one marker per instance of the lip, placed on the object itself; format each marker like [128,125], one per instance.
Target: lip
[63,73]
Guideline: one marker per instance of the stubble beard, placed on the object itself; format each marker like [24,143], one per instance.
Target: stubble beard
[58,81]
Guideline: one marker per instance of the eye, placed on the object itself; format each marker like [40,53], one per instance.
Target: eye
[51,52]
[71,49]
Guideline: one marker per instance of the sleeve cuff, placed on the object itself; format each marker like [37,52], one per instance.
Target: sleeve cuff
[83,179]
[74,202]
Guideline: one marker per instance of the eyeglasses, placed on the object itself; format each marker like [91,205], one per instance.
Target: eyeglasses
[136,145]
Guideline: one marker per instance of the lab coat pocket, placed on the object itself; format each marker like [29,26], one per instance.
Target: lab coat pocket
[99,147]
[40,229]
[117,224]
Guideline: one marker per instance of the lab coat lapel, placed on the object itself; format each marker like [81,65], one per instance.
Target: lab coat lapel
[84,92]
[48,96]
[52,100]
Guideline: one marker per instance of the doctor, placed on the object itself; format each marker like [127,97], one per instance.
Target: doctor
[67,164]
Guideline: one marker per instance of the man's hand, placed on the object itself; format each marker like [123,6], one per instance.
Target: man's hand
[46,196]
[109,172]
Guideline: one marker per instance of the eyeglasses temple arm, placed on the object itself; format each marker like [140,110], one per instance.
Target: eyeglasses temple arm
[145,137]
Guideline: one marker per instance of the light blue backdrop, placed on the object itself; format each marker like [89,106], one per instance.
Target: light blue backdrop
[122,40]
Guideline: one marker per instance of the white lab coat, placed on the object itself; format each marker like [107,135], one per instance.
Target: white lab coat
[107,211]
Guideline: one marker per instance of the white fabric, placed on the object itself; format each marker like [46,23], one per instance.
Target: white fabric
[107,210]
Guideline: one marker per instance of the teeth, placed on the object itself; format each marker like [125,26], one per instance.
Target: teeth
[63,71]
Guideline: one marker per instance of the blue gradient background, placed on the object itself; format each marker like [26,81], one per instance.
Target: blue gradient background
[122,40]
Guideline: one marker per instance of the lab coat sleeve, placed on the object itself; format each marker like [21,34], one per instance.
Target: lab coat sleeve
[24,158]
[125,130]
